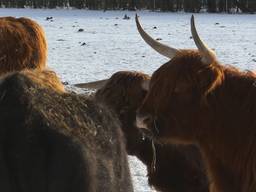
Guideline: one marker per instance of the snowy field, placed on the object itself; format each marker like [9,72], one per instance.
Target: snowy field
[109,44]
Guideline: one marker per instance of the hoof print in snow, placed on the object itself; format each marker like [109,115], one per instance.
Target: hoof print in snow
[83,44]
[154,27]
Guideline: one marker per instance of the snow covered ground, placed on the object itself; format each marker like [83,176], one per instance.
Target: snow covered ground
[109,44]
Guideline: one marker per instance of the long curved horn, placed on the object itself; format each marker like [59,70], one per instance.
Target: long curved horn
[159,47]
[209,54]
[92,85]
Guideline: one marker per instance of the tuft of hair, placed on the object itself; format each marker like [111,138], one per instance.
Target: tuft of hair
[23,45]
[44,79]
[186,71]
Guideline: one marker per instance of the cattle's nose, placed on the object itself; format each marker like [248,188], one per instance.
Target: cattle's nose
[142,121]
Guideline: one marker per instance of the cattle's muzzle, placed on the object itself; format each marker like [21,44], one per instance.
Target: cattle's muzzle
[144,123]
[147,133]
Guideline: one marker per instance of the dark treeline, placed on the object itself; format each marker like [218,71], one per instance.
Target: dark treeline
[230,6]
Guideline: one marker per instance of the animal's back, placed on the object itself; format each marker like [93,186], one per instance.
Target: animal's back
[58,142]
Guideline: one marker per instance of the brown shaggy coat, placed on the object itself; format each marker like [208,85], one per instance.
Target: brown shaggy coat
[178,168]
[23,45]
[51,141]
[212,106]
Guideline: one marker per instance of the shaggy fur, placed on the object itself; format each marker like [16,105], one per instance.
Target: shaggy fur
[212,106]
[42,78]
[178,169]
[57,142]
[23,45]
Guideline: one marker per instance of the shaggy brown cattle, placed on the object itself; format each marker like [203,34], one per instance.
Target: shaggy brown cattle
[194,99]
[55,141]
[23,45]
[177,169]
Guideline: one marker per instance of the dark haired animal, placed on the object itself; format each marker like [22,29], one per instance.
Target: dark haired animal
[23,45]
[55,141]
[177,169]
[193,99]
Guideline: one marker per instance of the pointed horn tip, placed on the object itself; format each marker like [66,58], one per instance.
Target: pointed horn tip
[138,23]
[192,20]
[136,18]
[211,55]
[159,47]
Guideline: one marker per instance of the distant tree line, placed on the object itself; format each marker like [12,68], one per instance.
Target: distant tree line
[246,6]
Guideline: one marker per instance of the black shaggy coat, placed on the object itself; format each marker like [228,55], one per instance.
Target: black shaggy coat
[58,142]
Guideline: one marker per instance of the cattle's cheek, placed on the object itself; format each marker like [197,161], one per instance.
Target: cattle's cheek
[180,119]
[167,128]
[162,130]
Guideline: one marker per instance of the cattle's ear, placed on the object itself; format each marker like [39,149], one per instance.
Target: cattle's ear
[145,84]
